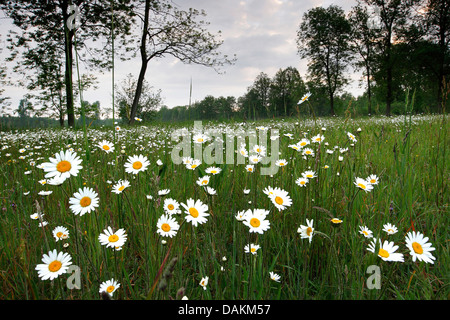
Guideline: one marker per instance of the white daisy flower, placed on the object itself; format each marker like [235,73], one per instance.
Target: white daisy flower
[196,211]
[84,201]
[167,226]
[64,164]
[307,231]
[419,247]
[109,238]
[54,264]
[109,286]
[136,164]
[256,220]
[386,250]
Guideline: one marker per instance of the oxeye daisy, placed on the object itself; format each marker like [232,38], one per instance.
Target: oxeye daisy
[390,228]
[136,164]
[106,146]
[84,201]
[309,174]
[256,220]
[372,179]
[109,238]
[56,181]
[213,170]
[386,250]
[171,206]
[204,282]
[200,138]
[54,264]
[303,142]
[275,277]
[250,168]
[120,186]
[307,231]
[254,159]
[60,233]
[196,211]
[302,181]
[167,226]
[251,248]
[260,150]
[163,192]
[363,184]
[203,181]
[109,286]
[211,191]
[281,162]
[295,147]
[318,138]
[304,98]
[240,216]
[419,247]
[281,199]
[268,191]
[351,137]
[187,160]
[193,164]
[336,221]
[308,152]
[365,231]
[64,164]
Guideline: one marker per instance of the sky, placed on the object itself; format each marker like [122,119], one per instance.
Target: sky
[261,33]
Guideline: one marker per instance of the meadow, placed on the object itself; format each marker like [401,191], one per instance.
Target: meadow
[137,225]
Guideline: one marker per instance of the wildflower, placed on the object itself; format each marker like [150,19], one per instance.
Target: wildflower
[256,220]
[240,216]
[280,198]
[64,164]
[210,191]
[106,146]
[109,286]
[309,174]
[365,231]
[213,170]
[336,221]
[363,184]
[281,162]
[260,150]
[136,164]
[120,186]
[308,152]
[419,247]
[163,192]
[251,248]
[303,142]
[306,231]
[304,98]
[84,201]
[56,181]
[351,137]
[372,179]
[386,250]
[196,211]
[204,282]
[203,181]
[200,138]
[275,277]
[109,238]
[171,206]
[250,168]
[167,226]
[44,193]
[302,181]
[193,164]
[54,264]
[60,233]
[317,138]
[390,228]
[255,159]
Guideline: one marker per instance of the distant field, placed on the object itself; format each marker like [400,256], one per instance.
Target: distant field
[172,237]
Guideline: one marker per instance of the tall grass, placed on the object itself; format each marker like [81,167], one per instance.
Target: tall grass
[408,154]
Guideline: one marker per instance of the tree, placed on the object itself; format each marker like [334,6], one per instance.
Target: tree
[364,34]
[323,38]
[168,31]
[25,106]
[393,15]
[148,103]
[262,85]
[286,90]
[49,24]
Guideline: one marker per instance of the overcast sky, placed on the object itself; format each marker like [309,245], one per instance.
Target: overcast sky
[262,34]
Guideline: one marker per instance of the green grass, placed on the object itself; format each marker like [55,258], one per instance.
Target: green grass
[408,154]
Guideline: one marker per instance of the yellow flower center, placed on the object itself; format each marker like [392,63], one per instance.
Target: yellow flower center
[193,212]
[373,181]
[361,186]
[309,175]
[303,144]
[110,289]
[255,222]
[365,232]
[308,231]
[106,147]
[214,171]
[205,182]
[59,234]
[253,249]
[63,166]
[121,188]
[334,220]
[194,166]
[54,266]
[165,227]
[113,238]
[417,248]
[199,140]
[383,253]
[279,200]
[137,165]
[308,152]
[250,169]
[85,201]
[258,150]
[170,207]
[281,163]
[302,182]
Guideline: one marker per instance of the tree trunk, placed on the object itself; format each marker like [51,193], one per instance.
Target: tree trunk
[388,77]
[144,60]
[68,41]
